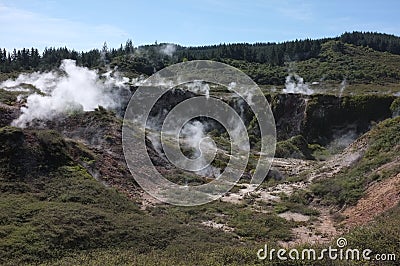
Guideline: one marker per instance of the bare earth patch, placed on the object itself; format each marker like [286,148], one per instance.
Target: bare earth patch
[316,232]
[293,216]
[216,225]
[378,198]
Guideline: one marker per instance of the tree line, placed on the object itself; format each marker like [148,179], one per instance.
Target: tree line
[30,59]
[148,58]
[298,50]
[269,53]
[377,41]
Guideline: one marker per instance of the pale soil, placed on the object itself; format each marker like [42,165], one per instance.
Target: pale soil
[379,197]
[320,229]
[219,226]
[293,216]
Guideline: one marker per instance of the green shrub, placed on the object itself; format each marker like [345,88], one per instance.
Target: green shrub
[395,107]
[348,187]
[295,147]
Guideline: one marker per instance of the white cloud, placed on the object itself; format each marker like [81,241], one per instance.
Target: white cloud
[21,28]
[296,10]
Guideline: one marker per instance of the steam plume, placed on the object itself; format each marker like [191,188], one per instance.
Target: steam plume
[193,134]
[295,84]
[198,86]
[45,82]
[168,49]
[342,87]
[77,89]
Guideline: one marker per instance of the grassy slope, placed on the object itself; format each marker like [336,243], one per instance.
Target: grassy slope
[59,214]
[52,209]
[381,235]
[357,64]
[365,69]
[349,185]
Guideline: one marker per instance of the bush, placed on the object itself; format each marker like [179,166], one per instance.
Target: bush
[395,107]
[295,147]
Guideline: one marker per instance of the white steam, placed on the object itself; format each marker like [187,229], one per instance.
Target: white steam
[343,86]
[155,141]
[138,81]
[243,101]
[45,82]
[114,78]
[342,139]
[192,135]
[198,86]
[77,89]
[16,89]
[295,84]
[247,93]
[168,49]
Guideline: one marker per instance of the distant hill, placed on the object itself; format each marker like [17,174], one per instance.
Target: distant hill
[335,62]
[298,50]
[359,57]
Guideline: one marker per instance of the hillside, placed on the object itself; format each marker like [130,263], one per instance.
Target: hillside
[360,58]
[60,210]
[68,197]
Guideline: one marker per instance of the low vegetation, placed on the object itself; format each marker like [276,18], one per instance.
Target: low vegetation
[349,185]
[55,210]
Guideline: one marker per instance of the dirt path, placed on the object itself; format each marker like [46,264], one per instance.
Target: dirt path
[316,229]
[320,229]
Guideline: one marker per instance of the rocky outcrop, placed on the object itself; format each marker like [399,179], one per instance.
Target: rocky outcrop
[7,114]
[328,115]
[290,112]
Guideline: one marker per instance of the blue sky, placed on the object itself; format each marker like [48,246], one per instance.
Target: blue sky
[84,25]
